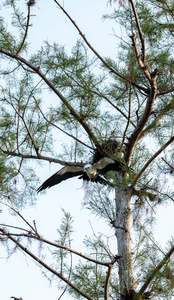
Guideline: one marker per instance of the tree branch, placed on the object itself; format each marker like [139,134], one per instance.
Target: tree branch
[165,92]
[140,60]
[139,31]
[111,69]
[108,276]
[128,120]
[44,264]
[59,94]
[163,112]
[26,31]
[137,131]
[156,270]
[152,159]
[41,157]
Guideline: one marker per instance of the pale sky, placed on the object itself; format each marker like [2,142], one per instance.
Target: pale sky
[20,276]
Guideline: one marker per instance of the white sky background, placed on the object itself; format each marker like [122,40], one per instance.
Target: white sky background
[20,277]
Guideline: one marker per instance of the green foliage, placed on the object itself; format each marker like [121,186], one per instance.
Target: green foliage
[73,76]
[91,277]
[17,182]
[111,107]
[147,255]
[65,231]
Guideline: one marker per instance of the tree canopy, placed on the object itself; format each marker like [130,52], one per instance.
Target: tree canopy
[120,107]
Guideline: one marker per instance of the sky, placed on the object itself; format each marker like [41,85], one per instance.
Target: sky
[20,276]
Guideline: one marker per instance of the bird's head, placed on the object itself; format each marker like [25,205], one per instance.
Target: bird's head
[87,167]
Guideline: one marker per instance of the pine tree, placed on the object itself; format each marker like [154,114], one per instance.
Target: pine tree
[120,108]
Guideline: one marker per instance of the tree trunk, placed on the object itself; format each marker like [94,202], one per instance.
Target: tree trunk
[123,234]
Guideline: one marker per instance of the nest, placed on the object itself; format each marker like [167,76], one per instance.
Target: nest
[111,147]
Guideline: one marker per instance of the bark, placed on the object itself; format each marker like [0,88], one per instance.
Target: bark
[123,234]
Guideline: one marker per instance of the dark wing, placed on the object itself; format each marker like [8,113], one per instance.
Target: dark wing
[98,179]
[107,164]
[63,174]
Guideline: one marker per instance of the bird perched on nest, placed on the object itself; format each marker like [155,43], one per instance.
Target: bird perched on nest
[94,172]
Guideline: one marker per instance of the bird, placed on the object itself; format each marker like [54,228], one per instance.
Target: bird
[89,172]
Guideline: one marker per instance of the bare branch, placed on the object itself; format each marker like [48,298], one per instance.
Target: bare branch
[128,120]
[108,276]
[137,131]
[156,270]
[139,31]
[142,64]
[165,92]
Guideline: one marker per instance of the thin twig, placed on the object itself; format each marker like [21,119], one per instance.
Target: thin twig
[65,132]
[170,166]
[26,31]
[18,213]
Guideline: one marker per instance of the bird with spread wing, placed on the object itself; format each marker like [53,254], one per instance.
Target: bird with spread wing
[90,172]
